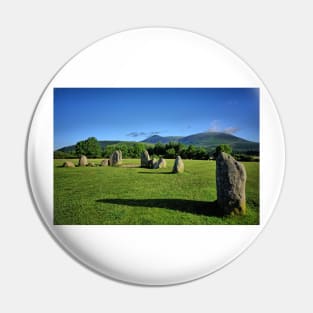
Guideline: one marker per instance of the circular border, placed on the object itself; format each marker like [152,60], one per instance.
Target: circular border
[30,175]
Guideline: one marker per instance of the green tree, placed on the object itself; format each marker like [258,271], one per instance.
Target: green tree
[63,155]
[80,148]
[177,146]
[159,149]
[129,150]
[89,147]
[224,148]
[93,147]
[201,154]
[170,153]
[191,152]
[109,149]
[137,149]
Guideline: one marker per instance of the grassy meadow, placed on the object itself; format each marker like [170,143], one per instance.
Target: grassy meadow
[130,195]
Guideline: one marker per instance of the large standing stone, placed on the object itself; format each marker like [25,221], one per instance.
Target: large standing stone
[153,163]
[105,162]
[178,165]
[83,161]
[230,184]
[162,163]
[116,158]
[68,164]
[145,158]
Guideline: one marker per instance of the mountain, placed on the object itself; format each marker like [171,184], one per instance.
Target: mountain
[208,139]
[160,139]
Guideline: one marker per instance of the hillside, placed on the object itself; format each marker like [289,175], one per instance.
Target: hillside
[208,139]
[160,139]
[103,144]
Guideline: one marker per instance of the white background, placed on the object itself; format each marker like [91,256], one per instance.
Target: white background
[275,273]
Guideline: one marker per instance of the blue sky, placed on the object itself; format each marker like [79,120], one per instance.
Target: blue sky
[134,114]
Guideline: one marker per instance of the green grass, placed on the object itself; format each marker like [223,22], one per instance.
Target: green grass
[132,195]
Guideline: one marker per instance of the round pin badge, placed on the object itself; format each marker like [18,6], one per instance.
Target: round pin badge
[155,156]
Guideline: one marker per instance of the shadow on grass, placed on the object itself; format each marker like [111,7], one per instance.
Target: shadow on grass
[130,166]
[152,172]
[208,208]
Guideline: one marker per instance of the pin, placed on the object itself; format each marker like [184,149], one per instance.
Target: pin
[155,156]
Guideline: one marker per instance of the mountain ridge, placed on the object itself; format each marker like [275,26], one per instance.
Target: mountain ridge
[161,139]
[204,139]
[208,139]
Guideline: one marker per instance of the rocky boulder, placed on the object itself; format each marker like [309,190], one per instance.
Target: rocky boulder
[105,162]
[230,184]
[116,158]
[68,164]
[145,158]
[178,165]
[83,161]
[153,164]
[162,163]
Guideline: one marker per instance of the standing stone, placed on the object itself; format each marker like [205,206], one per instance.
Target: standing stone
[153,164]
[116,158]
[68,164]
[83,161]
[178,165]
[230,184]
[91,164]
[162,163]
[145,158]
[120,156]
[105,162]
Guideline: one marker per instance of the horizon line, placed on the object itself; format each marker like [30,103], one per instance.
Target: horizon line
[136,141]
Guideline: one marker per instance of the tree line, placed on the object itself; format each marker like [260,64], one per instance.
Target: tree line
[92,149]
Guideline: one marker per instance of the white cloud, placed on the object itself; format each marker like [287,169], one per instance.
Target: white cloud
[139,134]
[231,130]
[215,127]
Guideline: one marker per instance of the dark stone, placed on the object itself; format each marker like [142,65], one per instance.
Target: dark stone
[153,163]
[230,184]
[116,158]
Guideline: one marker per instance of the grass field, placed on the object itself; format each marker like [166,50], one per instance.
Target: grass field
[131,195]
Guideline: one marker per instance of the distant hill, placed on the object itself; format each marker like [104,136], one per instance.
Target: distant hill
[160,139]
[208,139]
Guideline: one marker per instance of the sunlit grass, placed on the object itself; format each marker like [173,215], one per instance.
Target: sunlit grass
[132,195]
